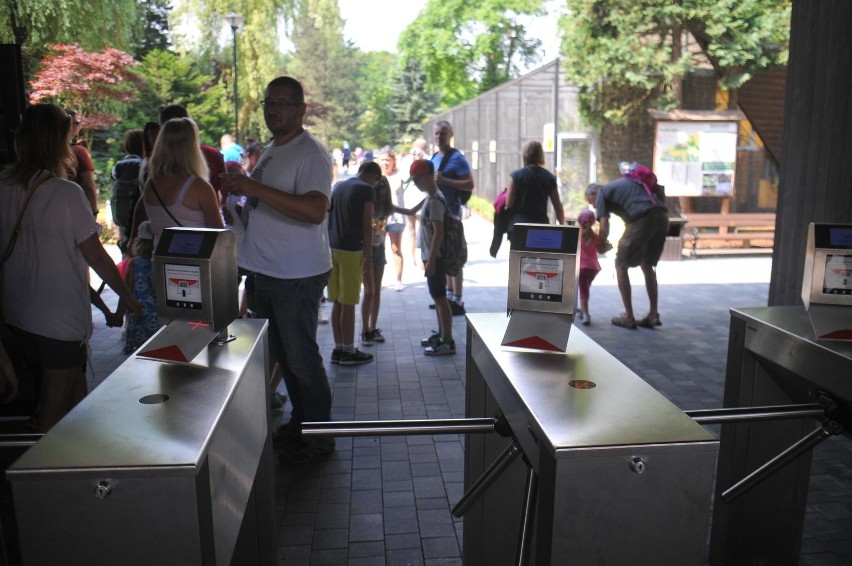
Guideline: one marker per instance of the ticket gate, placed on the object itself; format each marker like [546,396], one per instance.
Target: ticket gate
[169,460]
[590,465]
[777,355]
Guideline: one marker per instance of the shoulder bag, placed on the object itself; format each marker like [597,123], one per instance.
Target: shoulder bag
[166,208]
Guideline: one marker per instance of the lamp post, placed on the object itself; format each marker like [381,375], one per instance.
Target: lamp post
[235,21]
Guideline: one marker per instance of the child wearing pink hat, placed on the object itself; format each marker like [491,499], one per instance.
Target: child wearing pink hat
[589,265]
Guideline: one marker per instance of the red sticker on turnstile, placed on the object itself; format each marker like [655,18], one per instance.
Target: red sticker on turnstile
[582,384]
[534,343]
[172,353]
[838,335]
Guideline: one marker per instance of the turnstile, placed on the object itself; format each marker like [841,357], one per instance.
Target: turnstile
[623,476]
[161,464]
[774,358]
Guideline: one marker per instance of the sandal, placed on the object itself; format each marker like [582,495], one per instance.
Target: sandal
[624,322]
[648,322]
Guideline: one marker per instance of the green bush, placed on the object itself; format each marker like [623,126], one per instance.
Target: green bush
[481,207]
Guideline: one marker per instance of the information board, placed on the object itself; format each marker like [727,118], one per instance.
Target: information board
[696,158]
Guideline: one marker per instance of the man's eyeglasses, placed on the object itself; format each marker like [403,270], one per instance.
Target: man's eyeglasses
[272,103]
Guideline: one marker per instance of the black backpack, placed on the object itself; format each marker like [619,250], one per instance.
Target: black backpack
[125,190]
[454,245]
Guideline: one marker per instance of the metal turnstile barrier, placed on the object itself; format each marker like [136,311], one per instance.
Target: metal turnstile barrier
[160,464]
[764,468]
[589,464]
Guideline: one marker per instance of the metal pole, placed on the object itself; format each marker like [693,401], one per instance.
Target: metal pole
[236,92]
[527,517]
[763,413]
[485,480]
[399,427]
[807,443]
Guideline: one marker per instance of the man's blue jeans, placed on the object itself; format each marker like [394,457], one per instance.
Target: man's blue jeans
[291,305]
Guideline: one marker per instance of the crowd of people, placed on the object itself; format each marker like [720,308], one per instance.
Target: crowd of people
[298,231]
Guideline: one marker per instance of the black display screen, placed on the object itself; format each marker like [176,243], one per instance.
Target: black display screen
[186,243]
[837,236]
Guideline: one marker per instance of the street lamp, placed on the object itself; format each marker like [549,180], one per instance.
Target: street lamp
[235,21]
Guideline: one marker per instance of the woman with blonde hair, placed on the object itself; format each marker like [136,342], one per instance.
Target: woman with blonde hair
[50,240]
[175,192]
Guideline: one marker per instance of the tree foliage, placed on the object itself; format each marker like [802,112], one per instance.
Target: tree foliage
[96,85]
[411,102]
[170,79]
[155,32]
[374,116]
[469,47]
[327,78]
[626,56]
[92,24]
[259,41]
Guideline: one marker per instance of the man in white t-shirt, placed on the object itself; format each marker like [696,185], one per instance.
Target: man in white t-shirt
[286,247]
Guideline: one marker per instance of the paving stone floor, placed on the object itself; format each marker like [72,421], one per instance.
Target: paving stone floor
[386,501]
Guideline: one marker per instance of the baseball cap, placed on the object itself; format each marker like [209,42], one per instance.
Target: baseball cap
[145,232]
[420,168]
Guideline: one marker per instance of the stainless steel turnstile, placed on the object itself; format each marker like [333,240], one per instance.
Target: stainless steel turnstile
[774,358]
[161,464]
[623,476]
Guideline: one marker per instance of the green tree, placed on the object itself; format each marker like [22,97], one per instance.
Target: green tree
[469,47]
[155,33]
[91,24]
[170,79]
[259,42]
[376,123]
[327,78]
[627,56]
[412,102]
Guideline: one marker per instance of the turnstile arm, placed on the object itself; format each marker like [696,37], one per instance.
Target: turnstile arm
[399,427]
[835,420]
[762,413]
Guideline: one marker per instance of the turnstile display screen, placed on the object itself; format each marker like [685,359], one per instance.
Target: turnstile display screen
[840,237]
[541,278]
[544,239]
[183,286]
[186,243]
[827,236]
[838,275]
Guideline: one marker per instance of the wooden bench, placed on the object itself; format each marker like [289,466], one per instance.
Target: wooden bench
[745,227]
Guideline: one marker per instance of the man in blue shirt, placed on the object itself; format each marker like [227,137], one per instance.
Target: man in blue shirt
[454,179]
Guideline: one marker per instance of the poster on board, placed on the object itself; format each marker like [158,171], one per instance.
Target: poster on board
[696,158]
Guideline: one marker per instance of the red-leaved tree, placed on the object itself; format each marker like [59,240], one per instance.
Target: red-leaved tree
[95,85]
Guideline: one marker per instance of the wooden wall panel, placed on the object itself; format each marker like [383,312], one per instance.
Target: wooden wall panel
[816,171]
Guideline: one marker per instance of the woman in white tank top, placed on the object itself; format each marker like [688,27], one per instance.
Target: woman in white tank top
[176,192]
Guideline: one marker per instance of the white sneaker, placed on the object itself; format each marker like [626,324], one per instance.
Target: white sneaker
[321,317]
[398,287]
